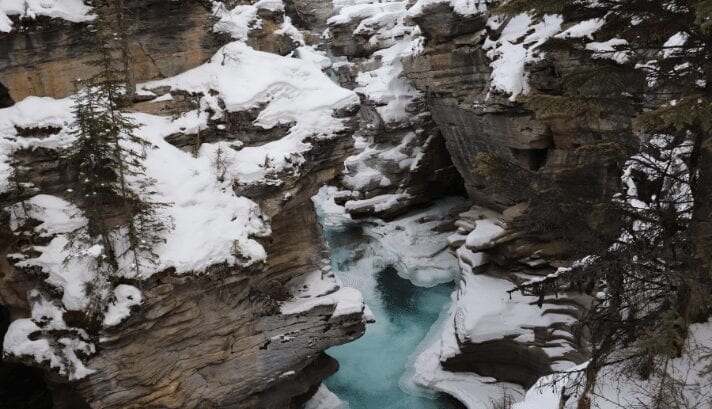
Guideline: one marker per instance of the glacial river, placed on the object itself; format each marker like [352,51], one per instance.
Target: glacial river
[372,368]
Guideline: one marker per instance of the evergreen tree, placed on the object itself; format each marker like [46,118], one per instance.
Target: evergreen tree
[656,278]
[107,159]
[123,32]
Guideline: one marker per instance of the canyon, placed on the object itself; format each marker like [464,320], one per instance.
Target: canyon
[309,152]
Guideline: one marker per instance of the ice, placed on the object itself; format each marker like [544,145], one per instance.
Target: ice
[410,243]
[376,257]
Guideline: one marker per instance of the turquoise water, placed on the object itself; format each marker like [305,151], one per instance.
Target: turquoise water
[372,366]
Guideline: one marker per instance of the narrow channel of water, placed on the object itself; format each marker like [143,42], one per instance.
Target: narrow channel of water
[372,366]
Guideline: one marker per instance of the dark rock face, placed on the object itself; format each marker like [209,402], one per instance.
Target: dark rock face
[5,99]
[21,387]
[454,72]
[216,340]
[309,14]
[504,360]
[440,24]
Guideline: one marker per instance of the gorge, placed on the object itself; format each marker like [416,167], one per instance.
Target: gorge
[362,204]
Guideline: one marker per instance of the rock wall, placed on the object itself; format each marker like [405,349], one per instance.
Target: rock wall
[44,57]
[455,72]
[401,161]
[423,119]
[450,68]
[215,339]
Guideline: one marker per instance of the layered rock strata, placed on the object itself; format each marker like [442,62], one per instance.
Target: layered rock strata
[228,336]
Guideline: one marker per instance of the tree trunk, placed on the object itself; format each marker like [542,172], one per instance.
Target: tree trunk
[701,225]
[125,32]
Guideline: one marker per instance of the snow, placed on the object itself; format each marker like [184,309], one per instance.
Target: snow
[426,374]
[585,28]
[294,93]
[71,275]
[482,310]
[378,203]
[316,289]
[67,272]
[290,30]
[125,297]
[461,7]
[46,338]
[237,22]
[240,20]
[516,47]
[315,57]
[387,85]
[31,112]
[615,389]
[486,231]
[71,10]
[485,311]
[384,25]
[56,215]
[17,342]
[674,44]
[212,225]
[325,399]
[608,50]
[546,393]
[410,243]
[330,214]
[382,83]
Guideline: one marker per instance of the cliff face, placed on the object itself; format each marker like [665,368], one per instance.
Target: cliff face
[228,336]
[400,160]
[448,52]
[456,73]
[45,56]
[426,103]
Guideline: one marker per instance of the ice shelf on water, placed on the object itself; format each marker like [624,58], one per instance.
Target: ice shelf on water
[373,368]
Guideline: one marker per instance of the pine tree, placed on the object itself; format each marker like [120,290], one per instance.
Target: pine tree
[656,279]
[107,159]
[123,32]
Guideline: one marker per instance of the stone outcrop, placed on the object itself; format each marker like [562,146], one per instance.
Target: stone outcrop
[44,57]
[455,72]
[401,160]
